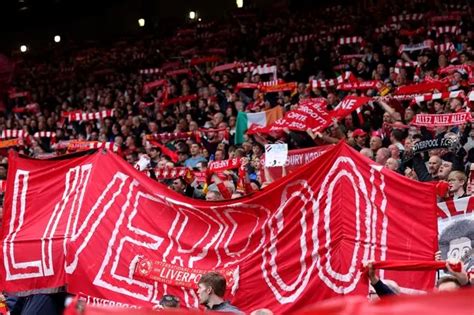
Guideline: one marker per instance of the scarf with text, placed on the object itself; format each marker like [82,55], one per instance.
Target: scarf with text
[218,166]
[426,44]
[441,120]
[361,85]
[77,145]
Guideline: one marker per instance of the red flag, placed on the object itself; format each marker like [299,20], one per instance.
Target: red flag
[301,240]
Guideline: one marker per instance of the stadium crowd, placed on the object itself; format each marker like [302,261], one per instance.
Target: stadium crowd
[162,101]
[163,105]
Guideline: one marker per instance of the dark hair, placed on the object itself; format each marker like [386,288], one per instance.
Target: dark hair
[398,135]
[216,281]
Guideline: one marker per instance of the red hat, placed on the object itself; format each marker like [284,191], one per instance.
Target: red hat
[359,133]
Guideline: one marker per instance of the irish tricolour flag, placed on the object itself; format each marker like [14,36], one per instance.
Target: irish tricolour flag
[264,118]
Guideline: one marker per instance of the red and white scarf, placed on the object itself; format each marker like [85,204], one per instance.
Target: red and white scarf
[452,29]
[172,172]
[406,64]
[406,17]
[150,71]
[339,28]
[347,76]
[87,145]
[265,69]
[302,38]
[245,67]
[439,96]
[426,44]
[361,85]
[350,40]
[12,133]
[45,134]
[441,120]
[444,48]
[82,116]
[388,28]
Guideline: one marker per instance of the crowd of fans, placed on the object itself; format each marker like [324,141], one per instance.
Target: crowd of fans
[198,127]
[46,88]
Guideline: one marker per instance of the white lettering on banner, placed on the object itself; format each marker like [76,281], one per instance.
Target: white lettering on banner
[18,270]
[288,293]
[296,159]
[107,276]
[361,194]
[346,104]
[216,239]
[70,190]
[366,220]
[308,157]
[94,301]
[295,115]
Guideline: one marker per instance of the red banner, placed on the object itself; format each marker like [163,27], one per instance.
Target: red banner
[439,120]
[295,159]
[86,221]
[348,105]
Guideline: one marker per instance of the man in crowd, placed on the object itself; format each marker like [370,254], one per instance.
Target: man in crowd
[457,183]
[211,291]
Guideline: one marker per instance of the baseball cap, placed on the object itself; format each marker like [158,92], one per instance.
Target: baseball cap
[359,133]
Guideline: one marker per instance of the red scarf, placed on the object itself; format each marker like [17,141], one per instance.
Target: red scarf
[200,60]
[423,87]
[362,85]
[439,120]
[218,166]
[179,99]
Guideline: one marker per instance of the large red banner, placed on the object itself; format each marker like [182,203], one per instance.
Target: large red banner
[87,221]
